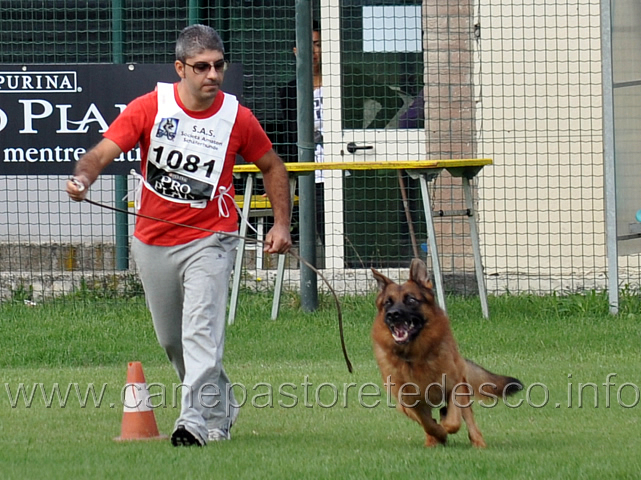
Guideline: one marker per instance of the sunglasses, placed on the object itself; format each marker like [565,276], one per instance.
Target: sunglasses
[202,68]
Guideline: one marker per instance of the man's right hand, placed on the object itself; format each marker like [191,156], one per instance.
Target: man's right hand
[89,167]
[77,187]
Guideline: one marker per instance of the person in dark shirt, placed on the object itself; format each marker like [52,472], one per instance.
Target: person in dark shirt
[358,88]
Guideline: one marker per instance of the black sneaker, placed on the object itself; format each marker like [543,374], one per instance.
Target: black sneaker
[184,438]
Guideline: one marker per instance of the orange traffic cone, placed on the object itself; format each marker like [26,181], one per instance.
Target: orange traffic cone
[138,420]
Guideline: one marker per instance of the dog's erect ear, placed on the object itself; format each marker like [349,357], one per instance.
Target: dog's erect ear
[381,279]
[418,273]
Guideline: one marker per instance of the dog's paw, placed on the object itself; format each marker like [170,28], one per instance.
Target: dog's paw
[431,441]
[478,442]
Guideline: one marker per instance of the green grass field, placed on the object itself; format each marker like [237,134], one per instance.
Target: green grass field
[568,424]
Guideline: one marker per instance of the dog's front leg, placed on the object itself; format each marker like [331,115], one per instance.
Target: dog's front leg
[435,434]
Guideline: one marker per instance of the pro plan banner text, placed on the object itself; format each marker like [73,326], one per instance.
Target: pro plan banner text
[50,115]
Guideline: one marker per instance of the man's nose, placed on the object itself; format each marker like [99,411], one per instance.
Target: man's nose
[213,73]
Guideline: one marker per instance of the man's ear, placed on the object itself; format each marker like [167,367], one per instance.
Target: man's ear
[180,68]
[294,50]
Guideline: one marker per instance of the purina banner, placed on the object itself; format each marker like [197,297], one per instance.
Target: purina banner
[50,115]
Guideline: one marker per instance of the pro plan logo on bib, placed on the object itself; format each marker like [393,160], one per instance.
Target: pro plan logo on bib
[187,155]
[177,187]
[167,128]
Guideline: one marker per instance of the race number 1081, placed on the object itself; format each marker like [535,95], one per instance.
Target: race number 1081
[175,160]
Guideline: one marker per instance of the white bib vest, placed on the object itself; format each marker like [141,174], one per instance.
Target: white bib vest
[186,155]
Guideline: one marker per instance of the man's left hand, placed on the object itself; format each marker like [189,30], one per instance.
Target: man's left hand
[278,240]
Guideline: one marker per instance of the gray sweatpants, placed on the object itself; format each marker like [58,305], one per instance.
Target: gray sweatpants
[186,288]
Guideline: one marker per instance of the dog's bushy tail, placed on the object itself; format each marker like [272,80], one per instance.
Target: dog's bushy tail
[490,385]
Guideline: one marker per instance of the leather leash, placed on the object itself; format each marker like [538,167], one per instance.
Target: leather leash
[254,240]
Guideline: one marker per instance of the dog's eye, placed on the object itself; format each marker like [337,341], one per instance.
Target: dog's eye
[411,301]
[388,303]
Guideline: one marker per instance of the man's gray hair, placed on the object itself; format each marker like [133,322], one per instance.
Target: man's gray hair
[195,39]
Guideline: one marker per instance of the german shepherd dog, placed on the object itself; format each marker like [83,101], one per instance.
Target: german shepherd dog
[420,363]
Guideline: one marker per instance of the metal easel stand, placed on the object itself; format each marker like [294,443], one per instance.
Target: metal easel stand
[240,253]
[466,174]
[280,272]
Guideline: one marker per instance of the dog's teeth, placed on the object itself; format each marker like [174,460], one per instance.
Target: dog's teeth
[400,336]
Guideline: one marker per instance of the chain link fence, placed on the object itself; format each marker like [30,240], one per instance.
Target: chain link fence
[518,82]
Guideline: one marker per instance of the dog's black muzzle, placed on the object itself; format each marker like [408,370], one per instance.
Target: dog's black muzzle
[403,324]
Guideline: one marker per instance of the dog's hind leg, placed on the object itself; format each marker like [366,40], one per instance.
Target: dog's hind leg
[475,435]
[451,419]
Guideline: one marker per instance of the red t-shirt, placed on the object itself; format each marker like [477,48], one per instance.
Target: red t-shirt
[134,125]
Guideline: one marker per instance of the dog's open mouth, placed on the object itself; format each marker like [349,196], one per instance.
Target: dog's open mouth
[403,332]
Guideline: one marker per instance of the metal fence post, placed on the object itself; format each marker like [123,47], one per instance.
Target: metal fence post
[193,11]
[120,181]
[306,149]
[608,157]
